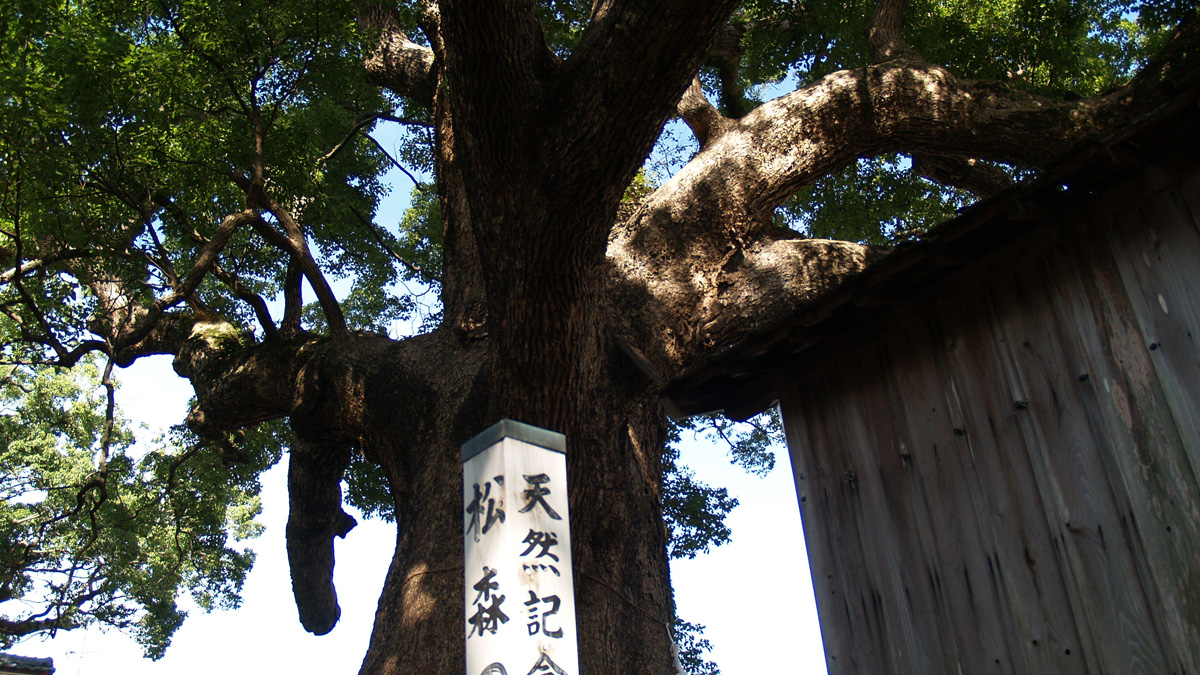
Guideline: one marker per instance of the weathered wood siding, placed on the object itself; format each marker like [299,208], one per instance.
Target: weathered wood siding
[1011,483]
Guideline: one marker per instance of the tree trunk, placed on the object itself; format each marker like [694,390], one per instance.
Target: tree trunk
[622,588]
[533,314]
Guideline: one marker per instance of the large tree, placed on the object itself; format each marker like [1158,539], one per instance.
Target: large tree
[175,171]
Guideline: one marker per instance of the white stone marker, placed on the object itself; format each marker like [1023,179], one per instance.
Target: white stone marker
[520,596]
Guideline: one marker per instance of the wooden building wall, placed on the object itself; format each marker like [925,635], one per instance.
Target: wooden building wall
[1011,483]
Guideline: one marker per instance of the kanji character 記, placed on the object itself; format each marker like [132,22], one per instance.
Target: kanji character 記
[542,540]
[489,514]
[537,495]
[539,624]
[545,666]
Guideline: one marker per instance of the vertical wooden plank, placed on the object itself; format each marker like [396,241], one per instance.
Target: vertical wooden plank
[1073,278]
[854,644]
[891,540]
[1097,328]
[922,485]
[1036,604]
[960,570]
[1155,249]
[1108,594]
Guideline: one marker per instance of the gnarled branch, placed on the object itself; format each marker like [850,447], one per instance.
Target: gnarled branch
[141,321]
[256,301]
[293,242]
[396,62]
[700,115]
[899,106]
[975,176]
[705,238]
[315,517]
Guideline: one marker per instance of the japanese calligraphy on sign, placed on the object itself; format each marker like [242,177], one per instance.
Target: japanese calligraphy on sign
[520,601]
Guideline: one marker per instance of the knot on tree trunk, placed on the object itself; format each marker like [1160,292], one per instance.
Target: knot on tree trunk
[205,342]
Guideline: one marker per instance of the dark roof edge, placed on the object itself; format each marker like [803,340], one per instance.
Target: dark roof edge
[26,664]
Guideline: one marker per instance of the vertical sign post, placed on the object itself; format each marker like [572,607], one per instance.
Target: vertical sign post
[520,595]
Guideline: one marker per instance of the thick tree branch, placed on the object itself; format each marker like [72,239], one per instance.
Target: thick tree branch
[293,297]
[162,262]
[700,115]
[899,106]
[44,262]
[367,393]
[169,332]
[396,62]
[240,384]
[726,56]
[885,37]
[129,324]
[256,301]
[687,292]
[494,58]
[977,177]
[705,238]
[614,100]
[295,244]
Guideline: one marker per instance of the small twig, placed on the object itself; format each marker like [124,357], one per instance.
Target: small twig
[359,125]
[405,120]
[395,163]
